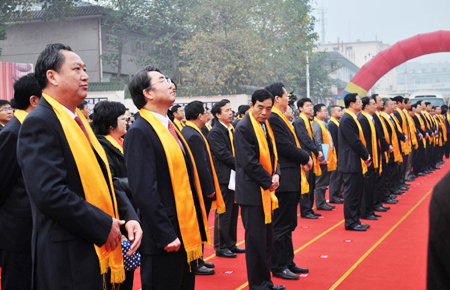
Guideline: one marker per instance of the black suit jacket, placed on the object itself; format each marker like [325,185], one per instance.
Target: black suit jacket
[351,148]
[290,157]
[201,157]
[418,127]
[380,134]
[205,131]
[250,174]
[151,186]
[334,131]
[307,144]
[220,145]
[65,226]
[16,222]
[365,126]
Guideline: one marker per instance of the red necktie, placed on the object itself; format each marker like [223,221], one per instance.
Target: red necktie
[80,123]
[174,134]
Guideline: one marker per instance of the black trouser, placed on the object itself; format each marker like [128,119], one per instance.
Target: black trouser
[284,223]
[393,177]
[225,224]
[258,247]
[388,171]
[336,184]
[368,193]
[208,201]
[402,169]
[418,160]
[379,185]
[307,200]
[409,163]
[447,147]
[16,270]
[167,271]
[352,198]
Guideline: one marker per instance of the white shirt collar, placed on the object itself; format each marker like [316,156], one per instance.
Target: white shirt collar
[72,114]
[163,119]
[225,125]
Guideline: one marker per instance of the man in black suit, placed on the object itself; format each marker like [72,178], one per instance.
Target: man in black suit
[291,159]
[66,226]
[242,111]
[257,177]
[175,220]
[352,150]
[220,140]
[196,116]
[336,180]
[6,113]
[16,223]
[305,135]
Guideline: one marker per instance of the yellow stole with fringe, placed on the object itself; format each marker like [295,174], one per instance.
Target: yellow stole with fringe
[303,182]
[397,153]
[317,171]
[114,142]
[186,212]
[269,200]
[331,159]
[95,187]
[363,140]
[218,203]
[20,115]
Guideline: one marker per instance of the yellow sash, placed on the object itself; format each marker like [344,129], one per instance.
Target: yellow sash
[374,139]
[386,134]
[317,171]
[333,119]
[178,124]
[363,140]
[20,115]
[397,153]
[186,212]
[413,131]
[304,182]
[218,203]
[114,143]
[269,200]
[406,145]
[397,125]
[422,126]
[331,159]
[444,127]
[95,186]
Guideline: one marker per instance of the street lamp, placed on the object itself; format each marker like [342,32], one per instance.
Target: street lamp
[308,94]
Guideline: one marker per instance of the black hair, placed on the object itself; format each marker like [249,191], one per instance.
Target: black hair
[317,108]
[398,99]
[24,88]
[139,83]
[261,96]
[242,109]
[217,108]
[82,105]
[434,107]
[414,106]
[406,100]
[444,109]
[350,98]
[4,103]
[175,108]
[302,101]
[105,116]
[194,109]
[374,97]
[365,102]
[276,89]
[427,103]
[51,58]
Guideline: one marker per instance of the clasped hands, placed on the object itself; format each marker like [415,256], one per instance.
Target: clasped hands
[134,231]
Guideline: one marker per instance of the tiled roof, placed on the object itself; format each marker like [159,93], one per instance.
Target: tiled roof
[106,87]
[77,12]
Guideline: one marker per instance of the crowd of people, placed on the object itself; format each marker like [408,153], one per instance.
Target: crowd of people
[74,185]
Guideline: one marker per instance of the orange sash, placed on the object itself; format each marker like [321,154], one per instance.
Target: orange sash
[317,170]
[331,159]
[374,139]
[397,153]
[363,140]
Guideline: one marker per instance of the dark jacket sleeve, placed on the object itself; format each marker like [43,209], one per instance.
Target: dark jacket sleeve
[285,147]
[380,134]
[220,150]
[351,133]
[44,170]
[303,134]
[418,128]
[334,130]
[9,171]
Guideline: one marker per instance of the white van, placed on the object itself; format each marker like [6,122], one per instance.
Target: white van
[436,98]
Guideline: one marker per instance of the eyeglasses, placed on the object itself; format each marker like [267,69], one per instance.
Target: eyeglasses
[166,81]
[6,109]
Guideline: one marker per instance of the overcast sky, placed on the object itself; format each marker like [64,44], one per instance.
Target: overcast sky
[386,20]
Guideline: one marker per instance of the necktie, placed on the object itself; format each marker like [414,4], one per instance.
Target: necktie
[230,133]
[78,120]
[174,134]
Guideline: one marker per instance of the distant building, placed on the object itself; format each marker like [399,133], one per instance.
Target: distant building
[415,76]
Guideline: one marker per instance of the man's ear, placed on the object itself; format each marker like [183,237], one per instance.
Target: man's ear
[147,95]
[52,77]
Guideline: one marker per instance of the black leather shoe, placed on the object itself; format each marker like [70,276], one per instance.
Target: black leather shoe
[398,192]
[377,215]
[386,207]
[237,250]
[365,225]
[413,176]
[336,201]
[389,201]
[403,187]
[382,209]
[286,274]
[324,207]
[297,270]
[421,174]
[208,265]
[226,254]
[358,228]
[204,271]
[410,179]
[370,217]
[278,287]
[393,196]
[316,214]
[310,216]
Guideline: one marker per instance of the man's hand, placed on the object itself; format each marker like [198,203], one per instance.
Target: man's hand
[114,236]
[368,161]
[320,155]
[420,136]
[406,138]
[134,235]
[426,135]
[211,195]
[323,162]
[309,165]
[391,149]
[275,182]
[173,246]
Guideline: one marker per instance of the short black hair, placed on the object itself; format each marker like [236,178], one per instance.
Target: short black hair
[350,98]
[261,96]
[365,102]
[398,99]
[444,109]
[194,109]
[51,58]
[406,100]
[217,108]
[414,106]
[276,89]
[317,108]
[105,116]
[174,108]
[82,105]
[139,83]
[433,107]
[24,88]
[302,101]
[4,103]
[427,103]
[242,109]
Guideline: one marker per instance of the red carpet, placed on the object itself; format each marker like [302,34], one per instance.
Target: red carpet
[391,254]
